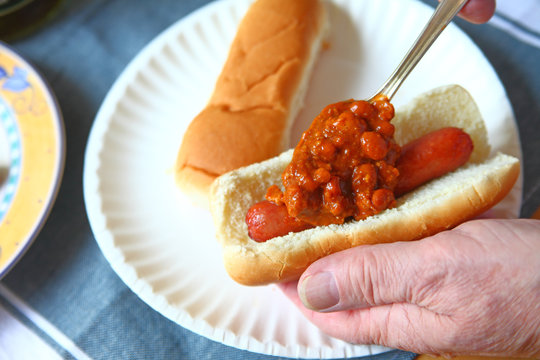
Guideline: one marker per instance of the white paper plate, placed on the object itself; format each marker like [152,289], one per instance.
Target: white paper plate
[161,246]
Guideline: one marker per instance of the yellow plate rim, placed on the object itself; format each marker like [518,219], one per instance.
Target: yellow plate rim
[28,223]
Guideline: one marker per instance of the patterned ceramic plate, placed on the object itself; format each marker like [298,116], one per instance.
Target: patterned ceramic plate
[31,155]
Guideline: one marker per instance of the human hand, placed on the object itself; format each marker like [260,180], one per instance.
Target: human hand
[471,290]
[478,11]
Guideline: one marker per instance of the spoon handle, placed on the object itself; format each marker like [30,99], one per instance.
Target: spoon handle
[444,13]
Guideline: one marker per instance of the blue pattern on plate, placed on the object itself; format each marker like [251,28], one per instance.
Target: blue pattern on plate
[17,81]
[8,189]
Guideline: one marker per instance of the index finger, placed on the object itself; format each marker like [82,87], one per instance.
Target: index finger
[478,11]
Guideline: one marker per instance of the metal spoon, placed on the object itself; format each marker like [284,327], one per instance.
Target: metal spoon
[444,13]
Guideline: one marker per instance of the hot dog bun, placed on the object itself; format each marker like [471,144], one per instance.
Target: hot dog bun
[438,205]
[257,96]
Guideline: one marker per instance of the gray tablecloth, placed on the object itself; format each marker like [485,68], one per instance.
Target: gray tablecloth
[65,277]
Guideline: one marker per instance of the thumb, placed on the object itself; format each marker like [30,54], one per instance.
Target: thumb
[391,288]
[363,276]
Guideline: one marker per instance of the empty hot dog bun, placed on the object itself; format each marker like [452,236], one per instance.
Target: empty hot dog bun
[257,95]
[438,205]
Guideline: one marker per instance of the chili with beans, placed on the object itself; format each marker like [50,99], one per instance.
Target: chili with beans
[343,166]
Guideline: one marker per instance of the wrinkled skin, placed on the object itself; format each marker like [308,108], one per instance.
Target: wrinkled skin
[471,290]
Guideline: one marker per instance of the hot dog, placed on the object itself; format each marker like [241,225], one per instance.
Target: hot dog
[422,160]
[435,206]
[266,220]
[257,95]
[431,156]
